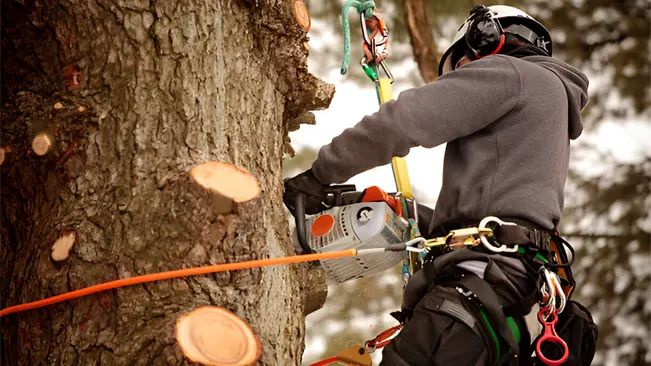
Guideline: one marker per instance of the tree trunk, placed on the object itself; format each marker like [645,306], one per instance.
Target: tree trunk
[132,94]
[422,40]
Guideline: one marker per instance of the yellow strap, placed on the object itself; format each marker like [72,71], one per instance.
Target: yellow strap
[399,165]
[385,90]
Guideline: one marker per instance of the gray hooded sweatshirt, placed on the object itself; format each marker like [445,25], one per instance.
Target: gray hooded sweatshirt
[507,123]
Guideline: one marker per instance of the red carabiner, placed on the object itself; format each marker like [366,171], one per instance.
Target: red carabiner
[549,335]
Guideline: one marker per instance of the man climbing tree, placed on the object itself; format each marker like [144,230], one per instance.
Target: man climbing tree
[106,106]
[507,112]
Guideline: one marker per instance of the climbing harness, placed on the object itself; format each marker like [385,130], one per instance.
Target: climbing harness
[493,236]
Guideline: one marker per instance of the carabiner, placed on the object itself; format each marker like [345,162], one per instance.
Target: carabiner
[387,71]
[549,335]
[552,288]
[548,290]
[556,281]
[501,248]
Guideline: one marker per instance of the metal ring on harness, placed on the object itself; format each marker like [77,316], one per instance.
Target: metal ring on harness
[501,248]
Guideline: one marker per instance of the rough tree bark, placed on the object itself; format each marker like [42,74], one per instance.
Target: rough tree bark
[422,40]
[133,94]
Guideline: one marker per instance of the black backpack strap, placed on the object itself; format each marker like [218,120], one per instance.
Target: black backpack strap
[491,304]
[524,306]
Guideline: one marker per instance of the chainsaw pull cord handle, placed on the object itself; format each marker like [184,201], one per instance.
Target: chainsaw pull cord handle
[299,220]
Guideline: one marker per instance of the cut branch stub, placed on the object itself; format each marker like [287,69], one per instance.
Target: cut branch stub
[301,14]
[215,336]
[42,143]
[228,183]
[3,153]
[61,247]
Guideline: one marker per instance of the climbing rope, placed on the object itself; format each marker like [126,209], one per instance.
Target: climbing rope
[364,9]
[183,273]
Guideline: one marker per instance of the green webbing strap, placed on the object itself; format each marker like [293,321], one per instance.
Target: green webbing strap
[493,334]
[362,6]
[541,257]
[514,328]
[512,325]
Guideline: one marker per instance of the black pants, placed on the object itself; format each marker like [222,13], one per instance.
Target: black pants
[434,336]
[445,327]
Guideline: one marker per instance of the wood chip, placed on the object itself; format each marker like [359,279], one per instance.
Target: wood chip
[81,109]
[226,179]
[215,336]
[61,247]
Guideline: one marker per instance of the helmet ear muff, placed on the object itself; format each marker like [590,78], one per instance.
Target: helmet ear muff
[485,35]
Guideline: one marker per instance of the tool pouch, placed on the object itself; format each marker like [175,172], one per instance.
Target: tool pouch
[579,331]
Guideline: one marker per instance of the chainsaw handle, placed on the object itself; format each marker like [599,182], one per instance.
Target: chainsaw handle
[334,194]
[299,220]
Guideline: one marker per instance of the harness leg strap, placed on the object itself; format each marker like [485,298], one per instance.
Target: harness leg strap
[487,297]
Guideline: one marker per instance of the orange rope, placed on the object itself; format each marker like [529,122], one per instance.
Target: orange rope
[383,338]
[175,274]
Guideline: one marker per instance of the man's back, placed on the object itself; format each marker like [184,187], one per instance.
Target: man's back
[507,122]
[516,166]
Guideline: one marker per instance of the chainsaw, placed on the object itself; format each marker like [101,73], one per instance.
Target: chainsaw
[353,220]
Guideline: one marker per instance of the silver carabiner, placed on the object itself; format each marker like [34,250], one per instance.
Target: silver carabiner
[501,248]
[548,290]
[552,288]
[556,282]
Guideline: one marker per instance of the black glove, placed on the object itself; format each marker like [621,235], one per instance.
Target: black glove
[314,191]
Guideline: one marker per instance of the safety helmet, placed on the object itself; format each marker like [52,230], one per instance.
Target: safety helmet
[483,33]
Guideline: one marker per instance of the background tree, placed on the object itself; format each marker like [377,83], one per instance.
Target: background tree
[132,94]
